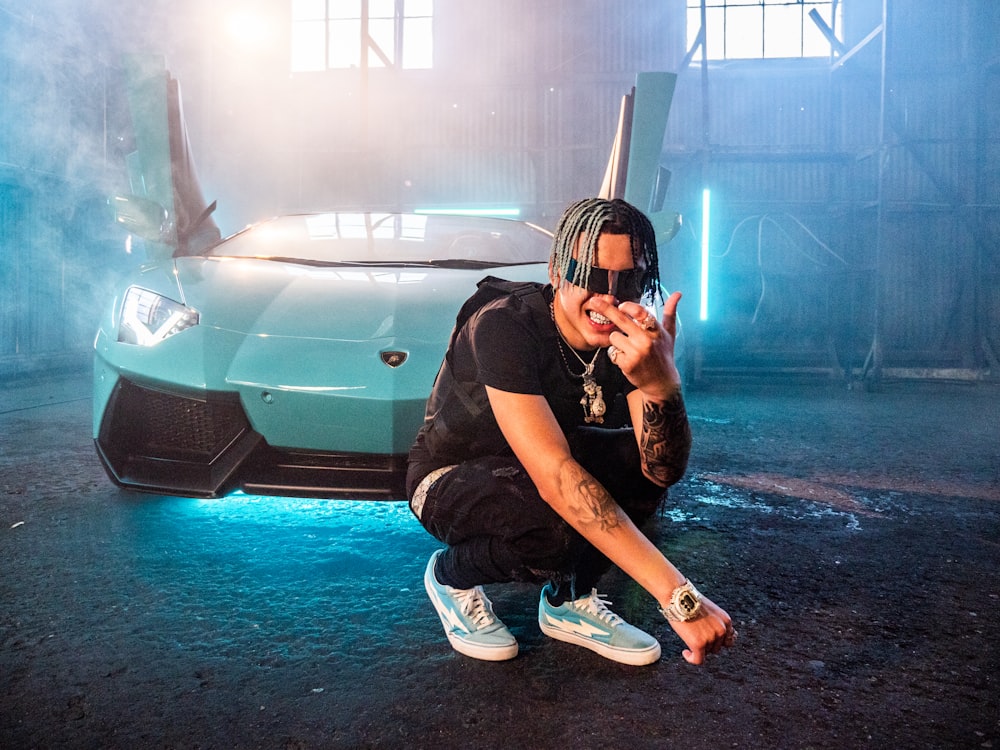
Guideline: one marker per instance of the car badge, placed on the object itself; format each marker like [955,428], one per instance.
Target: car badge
[393,359]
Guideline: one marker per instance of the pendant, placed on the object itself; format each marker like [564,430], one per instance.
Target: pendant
[592,401]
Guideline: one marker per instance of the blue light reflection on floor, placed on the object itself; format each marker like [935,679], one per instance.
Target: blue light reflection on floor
[346,539]
[285,511]
[291,576]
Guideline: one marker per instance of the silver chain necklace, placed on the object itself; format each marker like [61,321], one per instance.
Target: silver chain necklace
[593,397]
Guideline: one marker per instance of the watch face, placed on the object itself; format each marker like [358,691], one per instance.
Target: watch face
[687,603]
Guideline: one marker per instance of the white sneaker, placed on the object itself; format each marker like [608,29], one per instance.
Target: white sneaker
[589,623]
[468,619]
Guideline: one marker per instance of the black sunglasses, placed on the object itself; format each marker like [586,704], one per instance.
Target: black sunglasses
[623,285]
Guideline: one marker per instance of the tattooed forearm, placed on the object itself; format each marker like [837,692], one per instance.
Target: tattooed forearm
[665,441]
[590,504]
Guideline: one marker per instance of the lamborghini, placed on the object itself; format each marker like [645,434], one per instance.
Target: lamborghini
[295,357]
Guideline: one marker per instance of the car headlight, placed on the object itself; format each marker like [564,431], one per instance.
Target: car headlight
[148,318]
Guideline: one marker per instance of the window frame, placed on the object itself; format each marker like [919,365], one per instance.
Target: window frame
[313,37]
[729,12]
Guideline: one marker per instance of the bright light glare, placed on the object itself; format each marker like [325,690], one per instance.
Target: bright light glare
[471,211]
[705,206]
[247,28]
[359,516]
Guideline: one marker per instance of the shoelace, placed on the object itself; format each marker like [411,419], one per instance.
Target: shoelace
[475,606]
[598,607]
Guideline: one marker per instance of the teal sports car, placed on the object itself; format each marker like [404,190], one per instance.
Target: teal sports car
[296,356]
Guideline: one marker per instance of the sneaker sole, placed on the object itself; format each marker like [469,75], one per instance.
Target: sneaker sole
[462,646]
[483,653]
[632,657]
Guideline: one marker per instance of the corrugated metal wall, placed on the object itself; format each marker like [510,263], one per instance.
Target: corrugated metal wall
[818,260]
[816,255]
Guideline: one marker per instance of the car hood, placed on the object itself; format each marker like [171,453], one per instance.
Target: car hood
[258,297]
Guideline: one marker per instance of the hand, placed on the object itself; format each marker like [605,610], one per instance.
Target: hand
[644,348]
[709,634]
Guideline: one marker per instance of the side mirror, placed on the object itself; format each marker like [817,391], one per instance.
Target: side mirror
[666,224]
[144,218]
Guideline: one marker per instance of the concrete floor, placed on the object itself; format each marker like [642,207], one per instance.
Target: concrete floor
[852,536]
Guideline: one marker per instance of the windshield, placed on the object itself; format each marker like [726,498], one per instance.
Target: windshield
[390,239]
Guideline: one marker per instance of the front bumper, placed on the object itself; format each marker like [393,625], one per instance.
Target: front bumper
[201,444]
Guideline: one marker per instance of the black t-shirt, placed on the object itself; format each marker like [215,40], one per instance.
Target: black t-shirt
[510,344]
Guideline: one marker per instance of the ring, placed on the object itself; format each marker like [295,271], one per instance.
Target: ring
[613,352]
[649,323]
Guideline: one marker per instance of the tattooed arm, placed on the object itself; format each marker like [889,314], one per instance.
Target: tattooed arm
[644,352]
[664,440]
[571,491]
[590,504]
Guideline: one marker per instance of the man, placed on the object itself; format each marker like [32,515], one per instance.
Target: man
[555,424]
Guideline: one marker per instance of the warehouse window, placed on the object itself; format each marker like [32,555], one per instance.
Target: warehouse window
[327,34]
[756,29]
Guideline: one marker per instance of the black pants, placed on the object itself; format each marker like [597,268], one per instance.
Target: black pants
[498,528]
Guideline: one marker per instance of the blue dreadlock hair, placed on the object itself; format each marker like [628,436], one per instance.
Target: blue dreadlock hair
[592,217]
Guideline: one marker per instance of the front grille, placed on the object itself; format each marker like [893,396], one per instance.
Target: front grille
[166,442]
[192,427]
